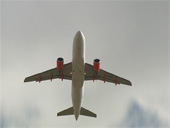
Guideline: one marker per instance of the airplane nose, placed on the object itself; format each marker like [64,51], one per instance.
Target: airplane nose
[79,34]
[79,37]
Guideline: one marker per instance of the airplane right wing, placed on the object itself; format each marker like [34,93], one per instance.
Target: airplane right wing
[52,74]
[104,76]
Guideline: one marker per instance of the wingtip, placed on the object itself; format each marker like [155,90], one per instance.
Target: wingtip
[26,80]
[130,84]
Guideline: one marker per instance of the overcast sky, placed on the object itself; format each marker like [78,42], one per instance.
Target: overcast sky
[130,38]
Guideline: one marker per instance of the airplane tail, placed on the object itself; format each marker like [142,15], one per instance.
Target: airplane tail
[70,111]
[86,112]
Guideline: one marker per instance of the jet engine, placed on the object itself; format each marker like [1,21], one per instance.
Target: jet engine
[60,62]
[96,65]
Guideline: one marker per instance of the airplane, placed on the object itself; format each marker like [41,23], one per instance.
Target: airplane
[78,71]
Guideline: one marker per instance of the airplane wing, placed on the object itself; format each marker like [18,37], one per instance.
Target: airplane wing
[104,76]
[52,74]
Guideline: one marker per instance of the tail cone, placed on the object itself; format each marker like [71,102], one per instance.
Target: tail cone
[76,116]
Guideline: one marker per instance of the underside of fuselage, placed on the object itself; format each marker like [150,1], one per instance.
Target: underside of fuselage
[78,69]
[78,72]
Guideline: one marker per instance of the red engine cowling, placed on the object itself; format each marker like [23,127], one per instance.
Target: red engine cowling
[96,65]
[60,62]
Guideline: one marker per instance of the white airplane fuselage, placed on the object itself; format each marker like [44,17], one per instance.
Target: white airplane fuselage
[78,67]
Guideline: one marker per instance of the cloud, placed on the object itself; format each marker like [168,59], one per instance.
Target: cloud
[21,118]
[139,116]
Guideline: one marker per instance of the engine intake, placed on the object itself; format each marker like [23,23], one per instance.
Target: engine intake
[60,62]
[96,65]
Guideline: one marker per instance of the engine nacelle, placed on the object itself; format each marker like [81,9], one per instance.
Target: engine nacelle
[96,65]
[60,62]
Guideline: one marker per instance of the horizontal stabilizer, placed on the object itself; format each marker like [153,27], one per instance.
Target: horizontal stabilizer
[65,112]
[86,112]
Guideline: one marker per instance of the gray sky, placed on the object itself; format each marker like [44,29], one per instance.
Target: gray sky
[130,38]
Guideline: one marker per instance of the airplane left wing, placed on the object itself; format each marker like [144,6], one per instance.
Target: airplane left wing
[104,76]
[52,74]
